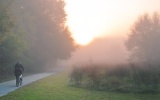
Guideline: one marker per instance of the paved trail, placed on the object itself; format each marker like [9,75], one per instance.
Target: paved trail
[10,86]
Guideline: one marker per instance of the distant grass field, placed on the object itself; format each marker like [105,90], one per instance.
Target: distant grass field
[56,87]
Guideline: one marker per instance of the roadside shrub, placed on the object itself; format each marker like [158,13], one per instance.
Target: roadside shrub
[145,77]
[94,76]
[123,78]
[114,82]
[76,75]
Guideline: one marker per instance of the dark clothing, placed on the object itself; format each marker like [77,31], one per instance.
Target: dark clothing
[18,69]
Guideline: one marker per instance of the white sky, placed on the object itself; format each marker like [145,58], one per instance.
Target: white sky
[89,19]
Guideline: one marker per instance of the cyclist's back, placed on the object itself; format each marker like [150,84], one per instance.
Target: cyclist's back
[18,69]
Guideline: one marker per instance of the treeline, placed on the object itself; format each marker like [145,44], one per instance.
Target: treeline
[34,32]
[141,74]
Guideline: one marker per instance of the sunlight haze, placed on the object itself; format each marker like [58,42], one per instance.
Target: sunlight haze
[90,19]
[79,50]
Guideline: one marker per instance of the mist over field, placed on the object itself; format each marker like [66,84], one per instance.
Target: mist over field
[109,50]
[122,64]
[92,47]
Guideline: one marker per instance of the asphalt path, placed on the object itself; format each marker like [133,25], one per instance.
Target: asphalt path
[10,86]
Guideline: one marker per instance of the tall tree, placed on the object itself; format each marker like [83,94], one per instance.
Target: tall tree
[44,22]
[144,38]
[6,20]
[12,46]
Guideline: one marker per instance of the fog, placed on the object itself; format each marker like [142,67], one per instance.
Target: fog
[139,45]
[102,51]
[114,18]
[132,61]
[46,38]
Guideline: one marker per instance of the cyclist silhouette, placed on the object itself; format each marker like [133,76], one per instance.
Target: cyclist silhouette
[18,71]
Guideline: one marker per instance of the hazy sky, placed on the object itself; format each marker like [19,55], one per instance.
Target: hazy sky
[101,51]
[88,19]
[109,20]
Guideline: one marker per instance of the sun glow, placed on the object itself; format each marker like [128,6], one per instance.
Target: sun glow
[86,19]
[89,19]
[81,39]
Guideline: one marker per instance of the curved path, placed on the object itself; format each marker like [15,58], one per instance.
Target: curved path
[10,86]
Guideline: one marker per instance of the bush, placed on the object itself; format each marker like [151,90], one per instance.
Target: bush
[124,78]
[145,77]
[76,75]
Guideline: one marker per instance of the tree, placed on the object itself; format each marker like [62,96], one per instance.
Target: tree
[144,38]
[12,45]
[11,49]
[48,37]
[6,20]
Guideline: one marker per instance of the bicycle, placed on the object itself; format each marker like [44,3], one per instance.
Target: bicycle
[19,80]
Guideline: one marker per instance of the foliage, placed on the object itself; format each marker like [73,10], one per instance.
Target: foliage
[143,39]
[122,78]
[145,76]
[7,46]
[48,37]
[76,76]
[6,19]
[34,32]
[11,48]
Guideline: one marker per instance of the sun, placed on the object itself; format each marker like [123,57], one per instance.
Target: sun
[90,19]
[85,19]
[83,39]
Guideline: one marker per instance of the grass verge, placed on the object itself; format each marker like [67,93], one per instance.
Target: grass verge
[56,87]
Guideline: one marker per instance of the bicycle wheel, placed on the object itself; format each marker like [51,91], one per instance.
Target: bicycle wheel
[17,81]
[21,80]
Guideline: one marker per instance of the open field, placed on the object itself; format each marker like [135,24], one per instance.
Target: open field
[57,88]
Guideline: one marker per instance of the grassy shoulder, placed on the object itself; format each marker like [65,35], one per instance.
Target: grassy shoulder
[56,87]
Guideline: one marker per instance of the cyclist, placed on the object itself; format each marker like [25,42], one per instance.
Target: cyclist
[18,71]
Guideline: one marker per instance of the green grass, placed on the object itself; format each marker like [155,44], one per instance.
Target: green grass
[56,87]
